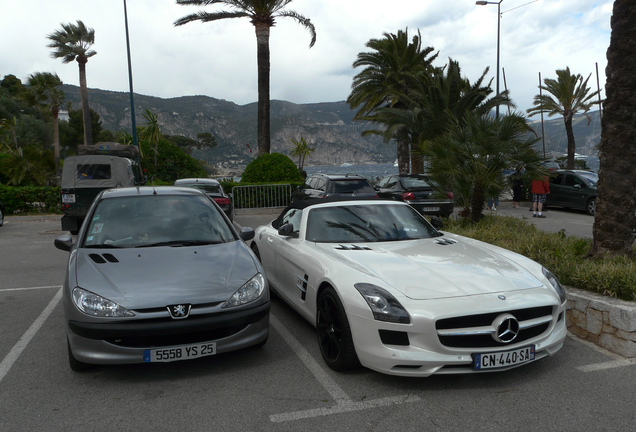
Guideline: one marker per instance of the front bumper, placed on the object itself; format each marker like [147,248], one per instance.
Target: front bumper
[125,342]
[416,349]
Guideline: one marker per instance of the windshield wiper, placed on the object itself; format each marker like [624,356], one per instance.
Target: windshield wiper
[180,243]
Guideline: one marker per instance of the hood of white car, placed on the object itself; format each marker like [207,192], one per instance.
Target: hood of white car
[442,267]
[160,276]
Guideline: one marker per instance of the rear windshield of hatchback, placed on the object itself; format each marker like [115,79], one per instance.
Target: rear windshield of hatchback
[350,186]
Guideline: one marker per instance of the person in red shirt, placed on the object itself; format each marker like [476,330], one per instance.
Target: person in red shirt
[539,189]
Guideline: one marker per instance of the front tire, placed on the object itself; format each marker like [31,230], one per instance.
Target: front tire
[590,206]
[334,334]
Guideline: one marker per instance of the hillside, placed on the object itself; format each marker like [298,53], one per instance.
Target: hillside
[328,127]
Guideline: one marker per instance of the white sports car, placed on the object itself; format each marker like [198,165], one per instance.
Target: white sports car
[387,290]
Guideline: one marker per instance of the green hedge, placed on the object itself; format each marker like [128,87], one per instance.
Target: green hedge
[30,199]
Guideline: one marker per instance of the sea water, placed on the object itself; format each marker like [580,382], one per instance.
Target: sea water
[371,172]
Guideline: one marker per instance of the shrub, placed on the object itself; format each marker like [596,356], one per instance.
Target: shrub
[271,168]
[564,256]
[28,199]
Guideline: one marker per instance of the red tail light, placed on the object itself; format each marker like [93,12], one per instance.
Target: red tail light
[408,196]
[450,195]
[222,201]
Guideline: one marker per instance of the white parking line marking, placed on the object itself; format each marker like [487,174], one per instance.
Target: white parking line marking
[30,288]
[343,402]
[605,365]
[619,361]
[17,349]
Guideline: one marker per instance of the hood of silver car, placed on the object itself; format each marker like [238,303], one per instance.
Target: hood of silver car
[141,278]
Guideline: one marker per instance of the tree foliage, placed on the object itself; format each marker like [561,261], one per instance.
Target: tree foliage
[271,168]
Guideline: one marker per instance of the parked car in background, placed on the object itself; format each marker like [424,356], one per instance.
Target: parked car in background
[419,191]
[158,274]
[95,168]
[334,185]
[574,189]
[213,189]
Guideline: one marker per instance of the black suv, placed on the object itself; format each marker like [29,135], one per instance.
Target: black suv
[334,185]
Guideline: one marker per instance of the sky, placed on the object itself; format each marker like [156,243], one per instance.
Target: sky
[218,59]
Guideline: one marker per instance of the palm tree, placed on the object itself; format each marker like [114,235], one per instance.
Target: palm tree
[262,15]
[43,89]
[470,156]
[436,100]
[151,133]
[73,42]
[301,150]
[615,205]
[388,75]
[567,95]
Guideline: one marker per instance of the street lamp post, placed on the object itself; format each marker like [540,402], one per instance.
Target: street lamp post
[484,3]
[130,81]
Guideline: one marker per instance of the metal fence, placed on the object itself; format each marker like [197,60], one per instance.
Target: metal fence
[261,196]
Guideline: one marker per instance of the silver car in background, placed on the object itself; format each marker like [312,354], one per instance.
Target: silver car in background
[157,274]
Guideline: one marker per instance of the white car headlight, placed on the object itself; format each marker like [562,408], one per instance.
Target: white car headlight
[249,292]
[384,306]
[555,283]
[92,304]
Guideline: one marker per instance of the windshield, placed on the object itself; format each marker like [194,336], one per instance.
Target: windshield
[156,220]
[416,183]
[591,177]
[367,223]
[205,187]
[350,186]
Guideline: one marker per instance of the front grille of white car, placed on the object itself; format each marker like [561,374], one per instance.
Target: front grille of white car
[472,331]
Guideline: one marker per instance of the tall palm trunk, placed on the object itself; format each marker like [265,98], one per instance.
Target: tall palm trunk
[262,58]
[617,177]
[86,114]
[55,111]
[567,119]
[403,156]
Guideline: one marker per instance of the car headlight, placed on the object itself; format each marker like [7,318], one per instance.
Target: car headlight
[555,283]
[92,304]
[249,292]
[384,306]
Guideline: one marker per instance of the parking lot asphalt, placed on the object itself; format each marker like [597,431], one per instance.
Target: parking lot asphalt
[283,386]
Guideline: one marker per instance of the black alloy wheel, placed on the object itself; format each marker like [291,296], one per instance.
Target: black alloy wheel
[334,333]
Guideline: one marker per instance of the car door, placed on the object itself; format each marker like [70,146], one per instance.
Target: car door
[557,190]
[280,251]
[574,186]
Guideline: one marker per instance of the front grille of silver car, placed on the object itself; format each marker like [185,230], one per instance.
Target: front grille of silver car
[468,331]
[164,340]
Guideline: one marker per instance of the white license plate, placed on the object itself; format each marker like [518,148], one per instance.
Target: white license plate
[68,198]
[503,359]
[430,208]
[184,352]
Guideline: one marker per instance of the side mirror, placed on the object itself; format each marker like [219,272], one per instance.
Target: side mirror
[64,242]
[287,230]
[247,233]
[437,223]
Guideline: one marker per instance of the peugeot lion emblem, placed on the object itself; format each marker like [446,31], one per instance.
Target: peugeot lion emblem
[179,311]
[506,328]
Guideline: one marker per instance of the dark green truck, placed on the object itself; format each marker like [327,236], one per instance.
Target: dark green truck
[95,168]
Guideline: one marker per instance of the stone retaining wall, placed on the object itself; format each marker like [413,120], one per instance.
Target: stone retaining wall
[605,321]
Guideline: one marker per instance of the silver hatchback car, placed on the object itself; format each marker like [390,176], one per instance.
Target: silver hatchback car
[157,274]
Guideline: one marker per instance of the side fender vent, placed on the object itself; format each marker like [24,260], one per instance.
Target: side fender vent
[446,242]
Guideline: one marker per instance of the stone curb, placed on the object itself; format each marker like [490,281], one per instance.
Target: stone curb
[604,321]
